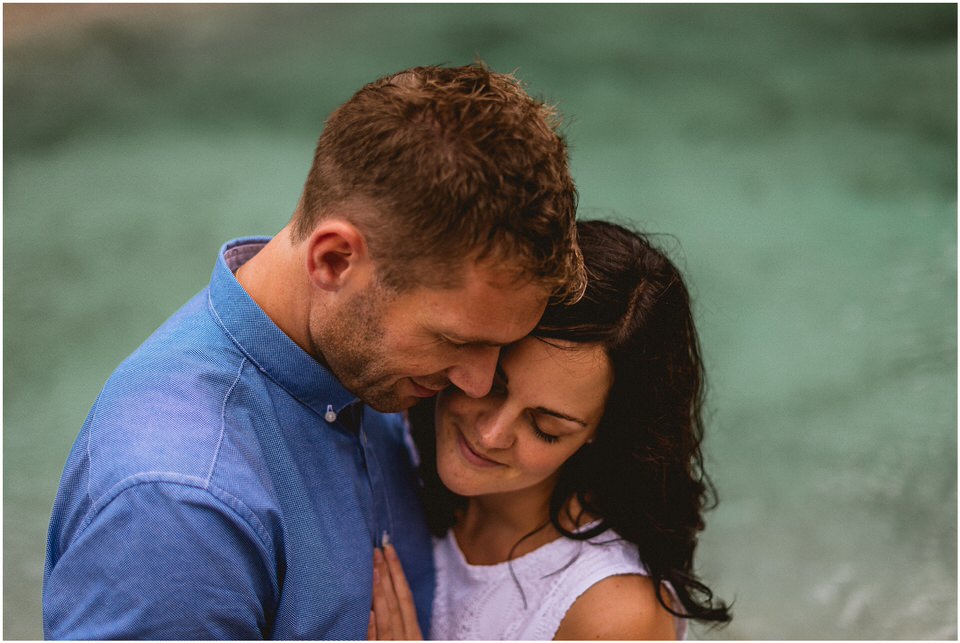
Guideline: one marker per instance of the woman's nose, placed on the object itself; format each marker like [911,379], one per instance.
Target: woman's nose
[495,430]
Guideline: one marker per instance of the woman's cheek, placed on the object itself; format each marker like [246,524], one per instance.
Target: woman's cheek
[543,460]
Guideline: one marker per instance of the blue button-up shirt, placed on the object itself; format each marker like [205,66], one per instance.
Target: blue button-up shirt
[213,494]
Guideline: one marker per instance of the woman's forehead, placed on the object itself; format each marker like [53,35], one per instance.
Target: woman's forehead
[557,374]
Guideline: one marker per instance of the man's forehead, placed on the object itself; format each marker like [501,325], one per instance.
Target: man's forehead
[486,309]
[451,273]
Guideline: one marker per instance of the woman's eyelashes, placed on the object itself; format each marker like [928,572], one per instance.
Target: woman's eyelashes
[546,437]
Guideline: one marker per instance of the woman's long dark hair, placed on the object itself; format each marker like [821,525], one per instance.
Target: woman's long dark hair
[643,474]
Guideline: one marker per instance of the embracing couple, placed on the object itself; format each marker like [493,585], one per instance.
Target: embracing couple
[246,472]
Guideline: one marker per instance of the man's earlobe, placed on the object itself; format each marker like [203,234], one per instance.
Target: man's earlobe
[336,250]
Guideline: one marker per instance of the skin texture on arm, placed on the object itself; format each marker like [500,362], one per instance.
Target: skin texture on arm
[618,608]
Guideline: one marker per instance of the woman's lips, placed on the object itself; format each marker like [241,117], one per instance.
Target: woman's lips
[472,456]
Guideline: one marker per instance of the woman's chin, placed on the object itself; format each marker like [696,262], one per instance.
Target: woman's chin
[454,483]
[453,479]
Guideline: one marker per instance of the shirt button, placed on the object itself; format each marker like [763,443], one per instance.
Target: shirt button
[330,415]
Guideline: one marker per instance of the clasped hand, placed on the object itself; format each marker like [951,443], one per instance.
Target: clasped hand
[393,615]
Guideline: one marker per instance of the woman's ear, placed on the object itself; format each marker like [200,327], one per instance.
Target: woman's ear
[336,254]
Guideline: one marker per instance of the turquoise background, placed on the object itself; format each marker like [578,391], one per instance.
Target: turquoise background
[804,158]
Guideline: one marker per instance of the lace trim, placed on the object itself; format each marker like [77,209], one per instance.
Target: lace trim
[482,602]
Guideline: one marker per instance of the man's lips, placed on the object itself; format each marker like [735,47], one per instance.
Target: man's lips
[423,391]
[472,456]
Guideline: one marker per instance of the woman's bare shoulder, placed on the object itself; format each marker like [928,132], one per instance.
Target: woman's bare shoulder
[621,607]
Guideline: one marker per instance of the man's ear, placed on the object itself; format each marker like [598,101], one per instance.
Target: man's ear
[336,254]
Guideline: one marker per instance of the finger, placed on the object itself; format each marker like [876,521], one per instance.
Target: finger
[408,611]
[372,628]
[390,597]
[381,609]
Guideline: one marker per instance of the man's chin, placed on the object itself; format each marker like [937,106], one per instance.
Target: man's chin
[389,401]
[399,397]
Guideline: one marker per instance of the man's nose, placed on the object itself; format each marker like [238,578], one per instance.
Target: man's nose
[474,373]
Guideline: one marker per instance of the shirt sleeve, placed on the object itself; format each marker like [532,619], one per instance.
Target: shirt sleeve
[162,561]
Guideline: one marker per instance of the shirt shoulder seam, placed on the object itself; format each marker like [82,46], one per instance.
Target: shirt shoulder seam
[223,422]
[93,421]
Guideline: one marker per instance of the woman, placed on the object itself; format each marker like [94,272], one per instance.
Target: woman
[567,502]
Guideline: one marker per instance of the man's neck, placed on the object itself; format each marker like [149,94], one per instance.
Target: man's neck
[272,279]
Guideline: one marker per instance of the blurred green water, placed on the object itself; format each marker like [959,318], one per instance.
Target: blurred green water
[804,157]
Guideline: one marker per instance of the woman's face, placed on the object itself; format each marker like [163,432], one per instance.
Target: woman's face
[545,404]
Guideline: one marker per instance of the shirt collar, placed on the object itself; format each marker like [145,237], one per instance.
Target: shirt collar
[262,341]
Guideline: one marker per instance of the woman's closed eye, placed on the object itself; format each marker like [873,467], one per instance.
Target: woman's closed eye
[537,431]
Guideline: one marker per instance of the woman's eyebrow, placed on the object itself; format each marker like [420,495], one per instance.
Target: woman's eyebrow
[500,374]
[558,414]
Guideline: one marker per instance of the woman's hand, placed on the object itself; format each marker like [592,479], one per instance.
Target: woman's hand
[393,616]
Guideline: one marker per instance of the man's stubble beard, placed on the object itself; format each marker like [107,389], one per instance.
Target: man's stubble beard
[350,343]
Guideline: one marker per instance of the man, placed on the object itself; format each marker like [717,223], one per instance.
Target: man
[238,469]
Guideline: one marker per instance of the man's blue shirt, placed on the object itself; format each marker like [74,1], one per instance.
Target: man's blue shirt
[208,497]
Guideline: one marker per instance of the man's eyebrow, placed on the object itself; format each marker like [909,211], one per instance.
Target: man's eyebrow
[558,414]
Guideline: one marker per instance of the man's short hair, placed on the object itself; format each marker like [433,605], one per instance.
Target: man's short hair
[439,164]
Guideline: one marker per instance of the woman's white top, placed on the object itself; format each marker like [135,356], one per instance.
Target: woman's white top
[482,602]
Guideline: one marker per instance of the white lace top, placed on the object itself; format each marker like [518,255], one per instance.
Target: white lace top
[482,602]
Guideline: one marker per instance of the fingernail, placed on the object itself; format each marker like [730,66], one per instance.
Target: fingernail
[385,539]
[377,555]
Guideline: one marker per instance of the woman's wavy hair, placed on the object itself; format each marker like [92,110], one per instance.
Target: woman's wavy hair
[643,475]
